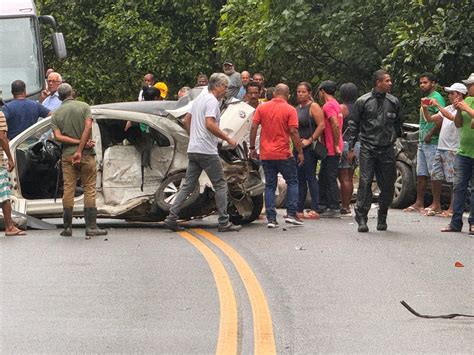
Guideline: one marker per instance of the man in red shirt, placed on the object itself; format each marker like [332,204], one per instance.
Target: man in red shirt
[329,191]
[279,122]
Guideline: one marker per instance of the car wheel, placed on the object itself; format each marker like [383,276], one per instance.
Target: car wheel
[405,190]
[236,218]
[168,190]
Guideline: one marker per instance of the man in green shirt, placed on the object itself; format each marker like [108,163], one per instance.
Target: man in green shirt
[72,126]
[428,142]
[464,163]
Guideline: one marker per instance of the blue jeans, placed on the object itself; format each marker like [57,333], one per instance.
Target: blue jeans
[463,173]
[307,178]
[287,168]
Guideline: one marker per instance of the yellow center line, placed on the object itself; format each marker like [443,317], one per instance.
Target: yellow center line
[227,339]
[264,341]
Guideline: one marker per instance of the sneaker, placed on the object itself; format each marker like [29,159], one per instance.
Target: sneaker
[329,213]
[173,225]
[272,224]
[229,227]
[294,220]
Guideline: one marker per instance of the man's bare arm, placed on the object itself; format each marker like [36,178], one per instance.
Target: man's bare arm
[64,139]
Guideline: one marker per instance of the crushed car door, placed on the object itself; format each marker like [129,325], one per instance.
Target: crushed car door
[135,156]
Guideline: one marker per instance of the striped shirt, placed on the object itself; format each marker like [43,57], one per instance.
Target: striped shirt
[4,128]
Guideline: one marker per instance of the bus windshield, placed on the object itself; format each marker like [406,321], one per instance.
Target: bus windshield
[20,55]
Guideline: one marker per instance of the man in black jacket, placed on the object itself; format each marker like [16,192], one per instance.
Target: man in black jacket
[376,123]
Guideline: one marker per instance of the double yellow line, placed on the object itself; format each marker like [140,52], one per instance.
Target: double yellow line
[264,341]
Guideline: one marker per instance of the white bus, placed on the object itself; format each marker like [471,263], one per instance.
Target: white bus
[21,55]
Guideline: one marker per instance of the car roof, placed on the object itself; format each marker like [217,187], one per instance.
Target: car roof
[152,107]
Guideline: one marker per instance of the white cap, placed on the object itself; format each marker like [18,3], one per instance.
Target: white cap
[469,80]
[457,87]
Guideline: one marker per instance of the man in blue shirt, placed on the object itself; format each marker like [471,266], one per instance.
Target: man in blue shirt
[21,112]
[49,97]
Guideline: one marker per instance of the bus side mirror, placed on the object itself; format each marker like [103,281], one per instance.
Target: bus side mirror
[48,20]
[59,45]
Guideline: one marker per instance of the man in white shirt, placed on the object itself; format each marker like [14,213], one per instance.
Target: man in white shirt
[49,97]
[448,141]
[203,127]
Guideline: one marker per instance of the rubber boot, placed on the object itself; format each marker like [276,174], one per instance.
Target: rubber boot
[67,222]
[362,222]
[90,215]
[382,220]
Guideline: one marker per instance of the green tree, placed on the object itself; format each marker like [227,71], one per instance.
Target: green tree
[348,40]
[112,44]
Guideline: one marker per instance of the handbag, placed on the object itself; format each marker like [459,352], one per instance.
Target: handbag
[316,147]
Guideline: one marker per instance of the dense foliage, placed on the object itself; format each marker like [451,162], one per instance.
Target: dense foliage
[348,40]
[111,44]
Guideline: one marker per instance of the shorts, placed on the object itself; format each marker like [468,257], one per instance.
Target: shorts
[424,159]
[443,165]
[344,163]
[5,185]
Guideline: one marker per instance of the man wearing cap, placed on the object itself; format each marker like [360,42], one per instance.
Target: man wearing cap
[448,141]
[464,161]
[235,81]
[332,139]
[376,123]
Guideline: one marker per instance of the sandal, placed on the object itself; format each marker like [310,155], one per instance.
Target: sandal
[448,228]
[345,211]
[413,209]
[445,214]
[312,215]
[430,213]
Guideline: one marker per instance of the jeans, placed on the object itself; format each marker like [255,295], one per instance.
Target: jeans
[381,162]
[329,190]
[463,173]
[212,165]
[86,170]
[288,169]
[307,178]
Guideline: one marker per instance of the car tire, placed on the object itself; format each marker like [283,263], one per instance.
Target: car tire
[405,189]
[236,218]
[168,190]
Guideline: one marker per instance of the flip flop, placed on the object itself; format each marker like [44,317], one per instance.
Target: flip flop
[445,214]
[17,232]
[413,209]
[431,213]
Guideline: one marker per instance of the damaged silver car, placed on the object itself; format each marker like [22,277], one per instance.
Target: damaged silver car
[140,165]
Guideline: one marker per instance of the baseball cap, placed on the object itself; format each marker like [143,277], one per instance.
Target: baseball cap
[228,62]
[469,80]
[457,87]
[328,86]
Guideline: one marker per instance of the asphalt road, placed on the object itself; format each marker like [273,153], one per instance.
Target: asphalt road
[320,288]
